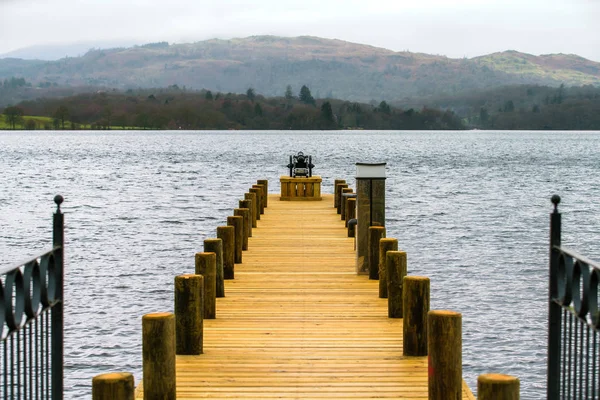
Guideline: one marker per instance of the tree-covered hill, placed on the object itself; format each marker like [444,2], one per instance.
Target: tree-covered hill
[522,107]
[333,68]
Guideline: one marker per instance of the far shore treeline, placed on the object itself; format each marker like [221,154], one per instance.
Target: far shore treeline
[518,107]
[174,108]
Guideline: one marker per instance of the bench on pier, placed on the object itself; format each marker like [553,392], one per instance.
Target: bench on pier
[300,188]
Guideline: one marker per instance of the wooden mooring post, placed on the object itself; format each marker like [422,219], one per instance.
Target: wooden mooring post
[376,233]
[113,386]
[238,224]
[189,313]
[158,354]
[213,245]
[385,245]
[258,194]
[206,265]
[336,199]
[444,345]
[415,307]
[338,194]
[245,214]
[396,271]
[262,195]
[498,387]
[345,191]
[351,211]
[247,204]
[227,235]
[252,197]
[265,184]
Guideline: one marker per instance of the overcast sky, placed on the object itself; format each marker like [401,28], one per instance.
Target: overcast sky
[456,28]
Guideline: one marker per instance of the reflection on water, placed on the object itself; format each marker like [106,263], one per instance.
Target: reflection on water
[470,208]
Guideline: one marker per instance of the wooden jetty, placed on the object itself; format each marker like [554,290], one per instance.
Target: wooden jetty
[297,322]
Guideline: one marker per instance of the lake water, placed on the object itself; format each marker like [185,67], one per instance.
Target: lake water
[470,208]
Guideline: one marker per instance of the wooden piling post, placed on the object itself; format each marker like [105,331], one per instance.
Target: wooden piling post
[497,387]
[338,194]
[206,265]
[376,233]
[335,191]
[227,235]
[252,197]
[113,386]
[248,204]
[396,271]
[351,211]
[257,193]
[265,183]
[245,214]
[263,194]
[385,245]
[415,306]
[158,354]
[343,205]
[238,223]
[444,344]
[213,245]
[189,313]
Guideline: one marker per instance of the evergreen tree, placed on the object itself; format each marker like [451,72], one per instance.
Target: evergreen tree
[384,108]
[289,95]
[305,96]
[327,112]
[250,94]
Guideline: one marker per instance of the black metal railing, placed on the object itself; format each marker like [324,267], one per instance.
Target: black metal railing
[574,321]
[31,322]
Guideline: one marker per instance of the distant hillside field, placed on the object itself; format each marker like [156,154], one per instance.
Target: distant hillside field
[268,64]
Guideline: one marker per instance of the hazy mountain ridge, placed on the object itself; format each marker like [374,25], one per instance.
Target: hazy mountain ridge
[331,68]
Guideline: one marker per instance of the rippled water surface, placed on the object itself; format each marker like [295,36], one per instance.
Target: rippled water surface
[470,208]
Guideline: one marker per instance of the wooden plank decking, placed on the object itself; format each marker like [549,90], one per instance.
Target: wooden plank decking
[298,323]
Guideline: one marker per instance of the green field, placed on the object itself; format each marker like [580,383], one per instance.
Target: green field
[40,122]
[31,122]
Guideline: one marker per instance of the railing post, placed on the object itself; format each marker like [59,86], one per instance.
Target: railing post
[57,318]
[113,386]
[385,245]
[554,313]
